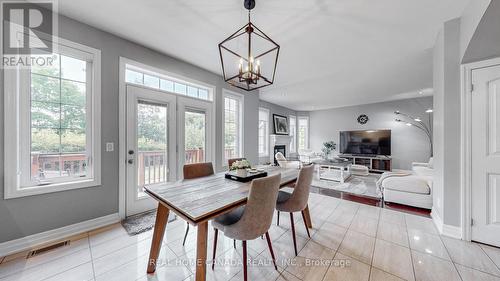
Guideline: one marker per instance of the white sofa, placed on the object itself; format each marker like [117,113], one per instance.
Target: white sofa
[412,188]
[284,163]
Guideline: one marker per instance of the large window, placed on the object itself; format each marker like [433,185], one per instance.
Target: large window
[152,80]
[233,131]
[293,134]
[57,119]
[303,134]
[263,132]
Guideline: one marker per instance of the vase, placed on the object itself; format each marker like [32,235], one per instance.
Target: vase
[241,172]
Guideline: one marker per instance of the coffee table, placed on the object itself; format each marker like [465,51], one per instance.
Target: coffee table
[334,170]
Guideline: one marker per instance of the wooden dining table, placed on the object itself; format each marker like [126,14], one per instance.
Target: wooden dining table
[199,200]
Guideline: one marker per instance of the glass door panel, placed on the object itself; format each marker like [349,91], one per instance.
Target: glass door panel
[194,137]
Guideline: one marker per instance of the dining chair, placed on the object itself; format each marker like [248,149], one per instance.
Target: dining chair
[193,171]
[252,220]
[231,161]
[297,200]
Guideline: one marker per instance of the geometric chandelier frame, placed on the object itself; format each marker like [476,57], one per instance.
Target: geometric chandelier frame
[250,74]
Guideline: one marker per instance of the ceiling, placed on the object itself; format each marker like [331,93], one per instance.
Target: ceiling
[333,52]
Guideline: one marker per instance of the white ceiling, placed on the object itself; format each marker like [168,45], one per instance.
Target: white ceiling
[333,52]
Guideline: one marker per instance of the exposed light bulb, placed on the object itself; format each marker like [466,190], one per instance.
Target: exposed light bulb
[409,124]
[418,119]
[429,110]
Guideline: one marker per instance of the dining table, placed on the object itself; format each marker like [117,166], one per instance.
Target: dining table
[200,200]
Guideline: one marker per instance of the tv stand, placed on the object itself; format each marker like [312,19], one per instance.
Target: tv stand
[375,163]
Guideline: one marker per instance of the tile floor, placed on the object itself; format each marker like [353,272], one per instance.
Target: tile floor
[350,241]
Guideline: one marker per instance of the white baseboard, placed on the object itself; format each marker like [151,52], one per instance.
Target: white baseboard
[446,229]
[29,242]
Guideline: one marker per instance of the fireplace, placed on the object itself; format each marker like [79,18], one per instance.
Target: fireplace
[279,148]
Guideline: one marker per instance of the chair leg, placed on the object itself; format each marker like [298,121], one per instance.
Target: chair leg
[271,249]
[305,223]
[216,232]
[244,243]
[185,235]
[234,243]
[278,220]
[293,234]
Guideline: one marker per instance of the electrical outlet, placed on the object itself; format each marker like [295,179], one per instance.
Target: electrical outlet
[110,146]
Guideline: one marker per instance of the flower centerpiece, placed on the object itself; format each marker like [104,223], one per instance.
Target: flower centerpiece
[328,147]
[241,167]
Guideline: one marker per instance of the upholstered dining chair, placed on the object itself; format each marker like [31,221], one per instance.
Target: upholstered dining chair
[297,200]
[193,171]
[252,220]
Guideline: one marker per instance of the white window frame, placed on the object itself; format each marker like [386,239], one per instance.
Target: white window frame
[241,98]
[307,132]
[266,136]
[294,136]
[17,120]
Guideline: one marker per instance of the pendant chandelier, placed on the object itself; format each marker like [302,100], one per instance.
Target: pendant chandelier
[249,57]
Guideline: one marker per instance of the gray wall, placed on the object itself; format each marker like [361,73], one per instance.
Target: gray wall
[408,144]
[447,124]
[275,109]
[28,215]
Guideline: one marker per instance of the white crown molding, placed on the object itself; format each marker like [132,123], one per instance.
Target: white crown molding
[31,241]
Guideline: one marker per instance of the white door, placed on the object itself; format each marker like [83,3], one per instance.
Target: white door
[195,120]
[151,144]
[485,126]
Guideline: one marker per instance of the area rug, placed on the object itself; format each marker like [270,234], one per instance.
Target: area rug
[358,185]
[142,222]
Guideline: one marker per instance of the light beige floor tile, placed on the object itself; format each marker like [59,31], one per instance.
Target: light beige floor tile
[353,270]
[469,274]
[392,217]
[82,272]
[421,223]
[470,255]
[260,268]
[285,276]
[312,262]
[427,243]
[358,246]
[21,263]
[51,268]
[493,253]
[394,233]
[394,259]
[379,275]
[118,243]
[341,217]
[122,256]
[369,211]
[430,268]
[329,235]
[365,225]
[283,247]
[107,233]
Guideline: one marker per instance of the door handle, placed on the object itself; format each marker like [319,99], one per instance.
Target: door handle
[130,161]
[131,152]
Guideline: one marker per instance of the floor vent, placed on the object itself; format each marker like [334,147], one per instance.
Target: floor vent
[46,249]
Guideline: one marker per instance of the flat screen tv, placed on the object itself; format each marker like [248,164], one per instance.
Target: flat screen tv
[370,142]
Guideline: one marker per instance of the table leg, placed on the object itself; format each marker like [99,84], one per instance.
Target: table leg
[307,217]
[201,251]
[160,225]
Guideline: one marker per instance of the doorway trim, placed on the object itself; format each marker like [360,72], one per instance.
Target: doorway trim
[122,122]
[466,142]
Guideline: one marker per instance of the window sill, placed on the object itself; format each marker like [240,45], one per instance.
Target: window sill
[51,188]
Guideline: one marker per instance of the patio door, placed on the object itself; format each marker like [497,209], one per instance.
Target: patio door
[151,144]
[195,131]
